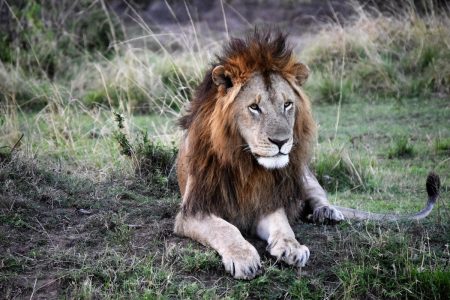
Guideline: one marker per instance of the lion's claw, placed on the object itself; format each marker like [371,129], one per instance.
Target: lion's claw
[327,214]
[242,263]
[290,251]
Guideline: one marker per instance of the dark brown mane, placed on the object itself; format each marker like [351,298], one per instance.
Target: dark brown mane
[226,180]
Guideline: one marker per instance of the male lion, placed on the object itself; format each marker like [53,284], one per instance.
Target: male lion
[243,163]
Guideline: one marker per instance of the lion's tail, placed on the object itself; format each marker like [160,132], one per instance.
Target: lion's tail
[433,185]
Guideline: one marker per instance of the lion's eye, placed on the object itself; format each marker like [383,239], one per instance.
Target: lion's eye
[254,107]
[288,105]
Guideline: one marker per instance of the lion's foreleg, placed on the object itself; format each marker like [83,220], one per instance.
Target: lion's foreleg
[275,229]
[317,200]
[239,257]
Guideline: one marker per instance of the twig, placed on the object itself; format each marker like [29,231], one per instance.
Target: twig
[84,211]
[44,231]
[48,283]
[134,226]
[16,144]
[34,289]
[338,116]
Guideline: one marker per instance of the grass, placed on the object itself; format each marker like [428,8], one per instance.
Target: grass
[401,148]
[87,204]
[194,260]
[442,145]
[335,170]
[380,55]
[393,269]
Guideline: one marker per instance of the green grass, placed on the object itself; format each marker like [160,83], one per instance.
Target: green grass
[336,170]
[402,148]
[194,260]
[366,132]
[78,219]
[394,267]
[442,145]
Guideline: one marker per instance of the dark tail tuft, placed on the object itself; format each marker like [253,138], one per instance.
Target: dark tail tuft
[433,184]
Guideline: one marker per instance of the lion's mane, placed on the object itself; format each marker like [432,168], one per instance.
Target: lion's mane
[225,179]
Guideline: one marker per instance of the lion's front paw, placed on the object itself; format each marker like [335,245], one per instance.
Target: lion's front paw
[327,214]
[290,251]
[242,262]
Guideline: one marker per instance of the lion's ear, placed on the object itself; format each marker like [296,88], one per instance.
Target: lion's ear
[301,72]
[221,77]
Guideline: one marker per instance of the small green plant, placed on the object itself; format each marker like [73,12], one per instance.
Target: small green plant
[156,160]
[402,148]
[152,160]
[118,231]
[120,136]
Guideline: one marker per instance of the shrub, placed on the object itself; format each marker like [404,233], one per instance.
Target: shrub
[153,161]
[43,42]
[46,34]
[156,160]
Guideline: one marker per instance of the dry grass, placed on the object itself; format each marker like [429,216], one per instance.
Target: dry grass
[376,56]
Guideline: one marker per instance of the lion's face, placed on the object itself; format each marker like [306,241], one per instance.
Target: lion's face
[265,116]
[264,109]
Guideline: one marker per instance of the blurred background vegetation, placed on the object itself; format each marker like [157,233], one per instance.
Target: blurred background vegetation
[106,53]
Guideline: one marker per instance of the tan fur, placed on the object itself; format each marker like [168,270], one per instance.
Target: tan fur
[239,257]
[227,181]
[275,229]
[232,175]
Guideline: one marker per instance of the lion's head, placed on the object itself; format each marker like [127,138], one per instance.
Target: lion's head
[264,112]
[249,126]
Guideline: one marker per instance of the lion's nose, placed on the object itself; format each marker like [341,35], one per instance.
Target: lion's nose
[279,143]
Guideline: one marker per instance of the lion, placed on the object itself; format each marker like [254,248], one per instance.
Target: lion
[243,161]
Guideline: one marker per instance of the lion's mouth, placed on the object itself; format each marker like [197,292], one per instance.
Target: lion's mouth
[279,154]
[276,161]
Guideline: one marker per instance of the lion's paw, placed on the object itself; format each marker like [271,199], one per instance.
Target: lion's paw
[327,214]
[242,262]
[290,251]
